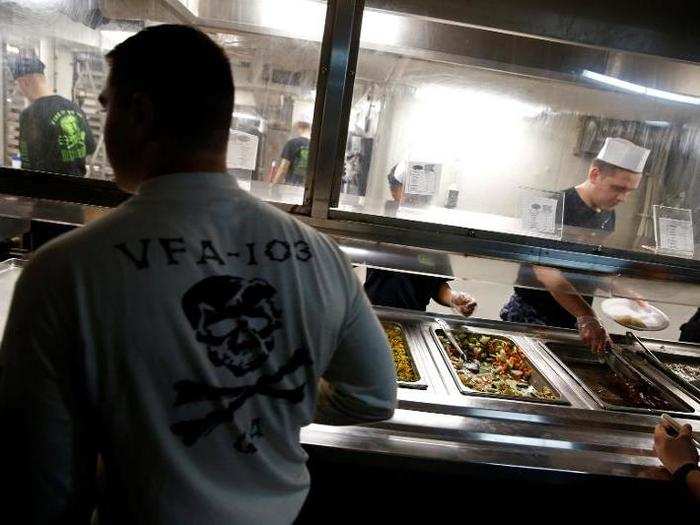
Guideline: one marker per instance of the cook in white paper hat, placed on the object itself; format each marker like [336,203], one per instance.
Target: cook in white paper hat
[589,212]
[624,154]
[613,175]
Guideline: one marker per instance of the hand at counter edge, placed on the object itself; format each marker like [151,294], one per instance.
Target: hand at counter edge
[674,451]
[679,456]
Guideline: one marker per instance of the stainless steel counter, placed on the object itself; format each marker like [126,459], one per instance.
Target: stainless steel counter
[580,436]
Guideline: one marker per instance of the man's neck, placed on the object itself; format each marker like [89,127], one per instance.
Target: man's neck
[201,163]
[585,192]
[39,90]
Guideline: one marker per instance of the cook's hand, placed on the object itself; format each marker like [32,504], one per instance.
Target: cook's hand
[642,304]
[592,333]
[674,452]
[464,303]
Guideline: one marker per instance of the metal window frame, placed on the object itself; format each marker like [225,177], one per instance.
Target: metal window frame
[335,84]
[343,44]
[506,246]
[651,28]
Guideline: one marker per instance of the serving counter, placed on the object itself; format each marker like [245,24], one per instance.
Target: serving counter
[575,432]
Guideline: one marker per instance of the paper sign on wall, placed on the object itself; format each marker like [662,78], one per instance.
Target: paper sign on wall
[673,229]
[242,151]
[541,212]
[422,178]
[538,215]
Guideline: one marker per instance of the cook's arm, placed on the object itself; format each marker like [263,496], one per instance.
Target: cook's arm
[281,171]
[359,385]
[591,331]
[464,303]
[46,452]
[444,295]
[563,291]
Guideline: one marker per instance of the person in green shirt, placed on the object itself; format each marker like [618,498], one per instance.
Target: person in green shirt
[54,135]
[294,163]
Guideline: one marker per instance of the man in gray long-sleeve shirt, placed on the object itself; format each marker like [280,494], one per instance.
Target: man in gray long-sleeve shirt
[187,336]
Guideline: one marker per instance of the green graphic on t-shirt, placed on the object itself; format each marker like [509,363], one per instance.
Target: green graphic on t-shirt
[71,136]
[24,152]
[301,162]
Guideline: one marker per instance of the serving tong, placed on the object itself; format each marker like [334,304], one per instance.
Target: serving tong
[472,365]
[692,386]
[618,364]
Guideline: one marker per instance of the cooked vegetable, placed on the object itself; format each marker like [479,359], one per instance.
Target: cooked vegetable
[405,368]
[503,369]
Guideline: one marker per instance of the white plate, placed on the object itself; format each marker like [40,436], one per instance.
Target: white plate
[632,315]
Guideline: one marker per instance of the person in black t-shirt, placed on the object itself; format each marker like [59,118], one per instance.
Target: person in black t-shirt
[612,177]
[690,331]
[294,162]
[53,133]
[413,291]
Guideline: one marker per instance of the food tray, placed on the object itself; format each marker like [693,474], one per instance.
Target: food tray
[687,368]
[530,387]
[401,350]
[609,390]
[684,370]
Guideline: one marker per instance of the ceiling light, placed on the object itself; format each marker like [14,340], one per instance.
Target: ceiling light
[639,89]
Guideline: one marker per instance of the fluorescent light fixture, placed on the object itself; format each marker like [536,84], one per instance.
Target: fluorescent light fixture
[298,18]
[639,89]
[616,82]
[246,116]
[675,97]
[306,19]
[381,28]
[355,254]
[42,4]
[657,123]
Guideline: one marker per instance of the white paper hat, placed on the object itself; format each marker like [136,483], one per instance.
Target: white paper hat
[624,154]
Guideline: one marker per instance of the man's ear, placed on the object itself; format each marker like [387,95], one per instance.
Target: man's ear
[594,175]
[142,113]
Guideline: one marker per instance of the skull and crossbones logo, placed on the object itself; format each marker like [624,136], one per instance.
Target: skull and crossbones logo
[235,319]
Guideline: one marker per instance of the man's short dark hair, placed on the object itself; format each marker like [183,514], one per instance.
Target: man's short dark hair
[24,63]
[186,75]
[605,167]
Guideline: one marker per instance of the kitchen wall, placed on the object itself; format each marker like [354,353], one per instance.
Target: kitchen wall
[494,132]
